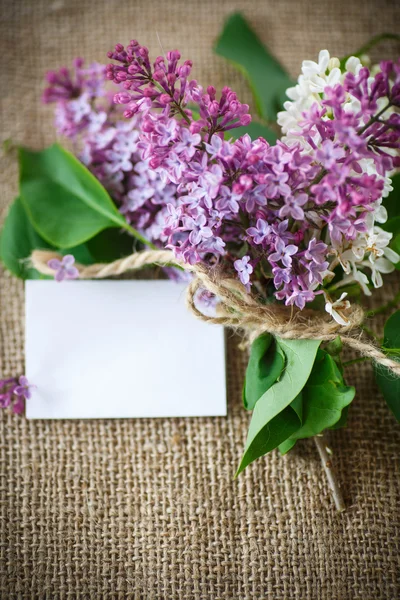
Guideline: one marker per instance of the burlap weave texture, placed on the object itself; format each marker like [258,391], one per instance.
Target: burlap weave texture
[148,509]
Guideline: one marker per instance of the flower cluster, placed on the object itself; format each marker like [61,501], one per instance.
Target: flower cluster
[164,85]
[13,393]
[356,139]
[286,216]
[108,146]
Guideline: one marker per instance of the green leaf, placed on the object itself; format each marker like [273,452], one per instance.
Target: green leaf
[19,238]
[343,419]
[267,78]
[286,446]
[334,347]
[392,202]
[81,254]
[377,39]
[324,397]
[65,203]
[388,383]
[273,419]
[392,225]
[254,130]
[392,205]
[106,246]
[110,245]
[265,365]
[396,244]
[17,241]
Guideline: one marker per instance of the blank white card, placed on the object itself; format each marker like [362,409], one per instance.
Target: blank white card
[100,349]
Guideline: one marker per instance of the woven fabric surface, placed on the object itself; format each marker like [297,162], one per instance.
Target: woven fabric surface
[148,509]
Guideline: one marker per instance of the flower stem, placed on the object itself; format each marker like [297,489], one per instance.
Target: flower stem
[330,473]
[374,119]
[176,105]
[381,309]
[138,236]
[373,42]
[369,332]
[347,363]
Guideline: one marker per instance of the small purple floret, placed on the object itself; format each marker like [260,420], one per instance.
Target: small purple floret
[64,269]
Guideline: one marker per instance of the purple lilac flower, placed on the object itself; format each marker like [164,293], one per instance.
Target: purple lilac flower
[108,146]
[206,302]
[13,393]
[24,388]
[64,269]
[293,207]
[260,232]
[316,251]
[316,271]
[283,253]
[244,268]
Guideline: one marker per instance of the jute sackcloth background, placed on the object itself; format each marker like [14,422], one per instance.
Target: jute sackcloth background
[148,508]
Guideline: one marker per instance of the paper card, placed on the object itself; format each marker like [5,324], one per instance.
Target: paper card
[101,349]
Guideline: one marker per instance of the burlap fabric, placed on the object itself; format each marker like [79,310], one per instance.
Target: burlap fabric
[148,508]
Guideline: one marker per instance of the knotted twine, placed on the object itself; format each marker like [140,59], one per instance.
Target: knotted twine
[238,309]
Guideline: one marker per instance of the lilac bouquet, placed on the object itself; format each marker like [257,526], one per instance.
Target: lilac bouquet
[300,226]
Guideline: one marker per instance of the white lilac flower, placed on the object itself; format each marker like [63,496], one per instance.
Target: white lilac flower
[315,77]
[335,308]
[369,250]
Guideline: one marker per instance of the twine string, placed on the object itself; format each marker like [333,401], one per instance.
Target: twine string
[238,309]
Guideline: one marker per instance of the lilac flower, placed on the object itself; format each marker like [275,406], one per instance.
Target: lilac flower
[109,147]
[329,154]
[316,251]
[300,297]
[187,143]
[199,229]
[176,166]
[24,388]
[206,302]
[13,393]
[220,149]
[280,228]
[157,84]
[118,161]
[283,253]
[7,387]
[166,132]
[260,232]
[228,202]
[336,309]
[281,276]
[64,268]
[293,207]
[316,272]
[277,184]
[244,268]
[212,179]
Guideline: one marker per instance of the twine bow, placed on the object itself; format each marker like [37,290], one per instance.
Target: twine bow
[238,309]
